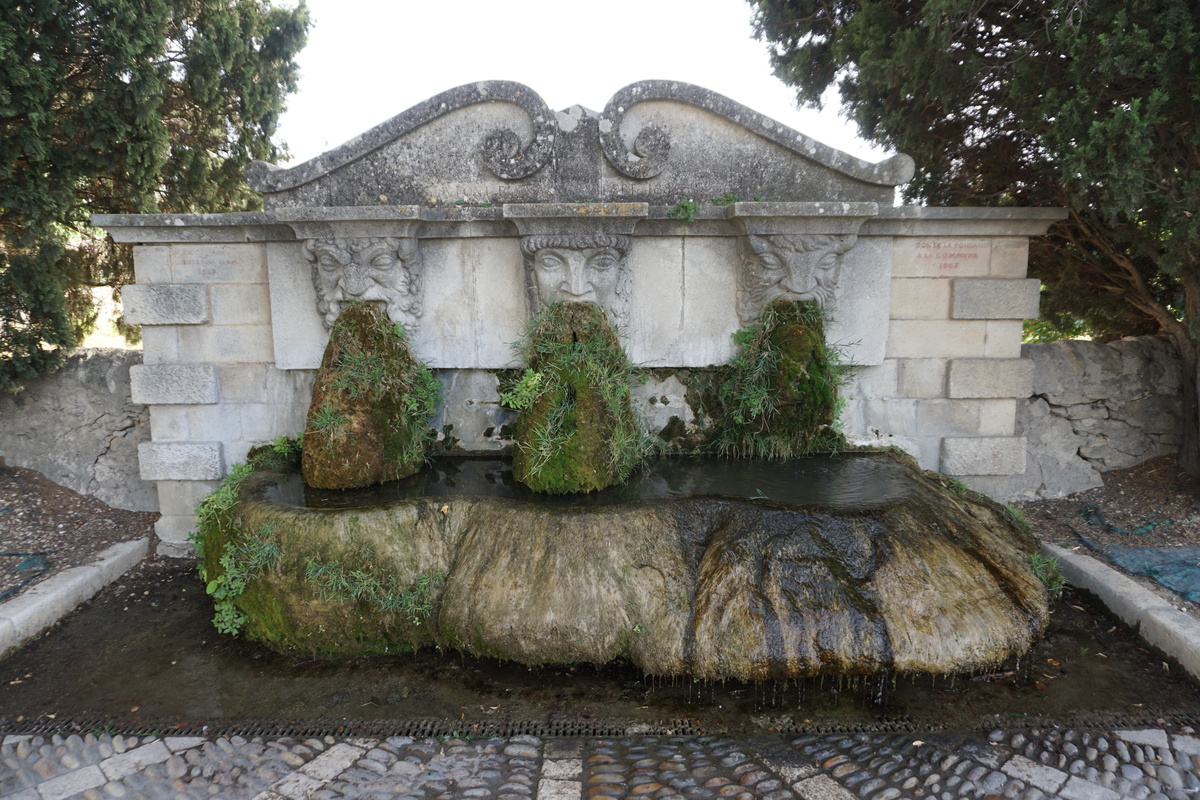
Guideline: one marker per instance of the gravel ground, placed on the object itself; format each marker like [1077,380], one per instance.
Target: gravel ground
[37,516]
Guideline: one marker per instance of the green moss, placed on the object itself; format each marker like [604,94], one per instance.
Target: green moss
[371,405]
[577,432]
[780,398]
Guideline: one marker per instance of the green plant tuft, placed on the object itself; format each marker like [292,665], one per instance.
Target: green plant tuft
[727,199]
[415,601]
[780,398]
[684,211]
[1019,518]
[1047,570]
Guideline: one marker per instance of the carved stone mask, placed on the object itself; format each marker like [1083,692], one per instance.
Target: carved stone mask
[796,267]
[591,268]
[375,269]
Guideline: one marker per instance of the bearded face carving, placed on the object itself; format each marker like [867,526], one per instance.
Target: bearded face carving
[381,270]
[584,268]
[794,267]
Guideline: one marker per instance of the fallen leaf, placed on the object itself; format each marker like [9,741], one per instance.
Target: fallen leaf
[1052,662]
[1039,685]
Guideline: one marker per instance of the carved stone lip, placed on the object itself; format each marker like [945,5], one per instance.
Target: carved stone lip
[533,219]
[834,218]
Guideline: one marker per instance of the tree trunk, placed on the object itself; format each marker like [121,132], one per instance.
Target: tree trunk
[1189,439]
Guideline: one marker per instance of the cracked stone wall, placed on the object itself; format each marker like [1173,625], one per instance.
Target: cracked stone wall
[1096,407]
[80,428]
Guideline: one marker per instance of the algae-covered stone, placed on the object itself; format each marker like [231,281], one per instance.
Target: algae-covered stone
[577,431]
[369,417]
[705,586]
[781,396]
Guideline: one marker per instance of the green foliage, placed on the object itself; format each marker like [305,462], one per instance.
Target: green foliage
[110,106]
[684,211]
[1018,516]
[243,560]
[1087,105]
[336,582]
[727,199]
[219,502]
[578,431]
[325,419]
[525,392]
[780,397]
[1047,570]
[281,455]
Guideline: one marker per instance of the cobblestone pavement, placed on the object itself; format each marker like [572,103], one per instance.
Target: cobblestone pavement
[1053,763]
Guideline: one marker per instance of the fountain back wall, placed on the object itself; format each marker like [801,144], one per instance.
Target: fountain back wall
[439,215]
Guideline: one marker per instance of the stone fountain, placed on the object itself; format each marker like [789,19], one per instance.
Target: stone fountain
[680,215]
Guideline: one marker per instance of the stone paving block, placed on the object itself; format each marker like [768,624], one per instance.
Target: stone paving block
[167,384]
[1185,744]
[24,794]
[549,789]
[1151,736]
[72,783]
[1048,779]
[181,461]
[178,743]
[296,786]
[822,787]
[165,304]
[329,764]
[983,455]
[117,767]
[562,768]
[995,298]
[989,377]
[1079,789]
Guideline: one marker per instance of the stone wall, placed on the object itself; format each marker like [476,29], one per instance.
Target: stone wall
[1095,407]
[80,428]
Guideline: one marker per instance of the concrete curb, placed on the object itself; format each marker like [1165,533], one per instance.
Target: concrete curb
[1156,621]
[45,603]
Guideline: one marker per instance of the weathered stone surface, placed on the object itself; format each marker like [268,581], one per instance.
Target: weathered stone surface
[993,298]
[167,384]
[79,428]
[698,586]
[989,377]
[984,455]
[166,304]
[371,405]
[181,461]
[719,144]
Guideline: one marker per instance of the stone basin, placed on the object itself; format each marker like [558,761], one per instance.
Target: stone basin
[912,576]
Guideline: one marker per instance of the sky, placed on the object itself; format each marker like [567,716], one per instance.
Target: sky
[368,60]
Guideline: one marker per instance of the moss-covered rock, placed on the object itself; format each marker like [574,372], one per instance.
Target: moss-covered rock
[369,417]
[577,431]
[780,399]
[712,587]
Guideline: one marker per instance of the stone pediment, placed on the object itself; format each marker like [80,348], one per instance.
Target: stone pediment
[655,142]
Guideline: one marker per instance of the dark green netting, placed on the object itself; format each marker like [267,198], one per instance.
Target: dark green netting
[18,569]
[1175,567]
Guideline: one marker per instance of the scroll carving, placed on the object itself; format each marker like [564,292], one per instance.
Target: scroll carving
[791,266]
[381,270]
[579,268]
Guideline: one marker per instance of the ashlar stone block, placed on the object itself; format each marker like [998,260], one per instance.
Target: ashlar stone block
[152,264]
[920,298]
[995,298]
[921,377]
[181,461]
[921,338]
[166,384]
[990,377]
[166,304]
[983,455]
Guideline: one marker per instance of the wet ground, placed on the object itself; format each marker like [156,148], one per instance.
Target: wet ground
[145,650]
